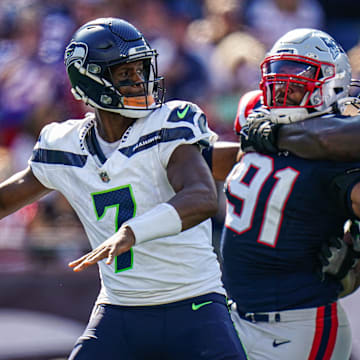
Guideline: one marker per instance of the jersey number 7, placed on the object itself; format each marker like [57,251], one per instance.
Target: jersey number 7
[122,200]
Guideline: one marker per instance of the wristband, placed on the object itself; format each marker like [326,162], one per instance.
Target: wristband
[163,220]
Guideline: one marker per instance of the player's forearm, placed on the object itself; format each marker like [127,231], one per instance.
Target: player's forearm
[195,197]
[195,204]
[223,158]
[18,191]
[189,207]
[324,138]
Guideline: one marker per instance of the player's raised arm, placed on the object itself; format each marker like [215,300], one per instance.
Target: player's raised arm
[335,138]
[221,158]
[19,190]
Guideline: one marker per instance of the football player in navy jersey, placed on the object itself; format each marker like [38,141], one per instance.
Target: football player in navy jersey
[133,172]
[282,208]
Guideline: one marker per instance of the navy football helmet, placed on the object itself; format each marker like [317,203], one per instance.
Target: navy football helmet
[94,49]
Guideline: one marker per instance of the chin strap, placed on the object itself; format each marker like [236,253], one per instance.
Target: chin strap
[141,102]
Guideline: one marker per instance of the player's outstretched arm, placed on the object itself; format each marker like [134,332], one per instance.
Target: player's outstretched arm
[322,138]
[224,156]
[194,202]
[19,190]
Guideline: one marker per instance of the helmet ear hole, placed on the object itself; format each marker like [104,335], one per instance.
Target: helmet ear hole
[338,90]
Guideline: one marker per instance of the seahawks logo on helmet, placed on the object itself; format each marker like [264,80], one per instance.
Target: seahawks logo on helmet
[76,51]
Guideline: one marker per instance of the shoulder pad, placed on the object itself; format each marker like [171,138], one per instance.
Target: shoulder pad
[249,102]
[61,136]
[188,115]
[185,112]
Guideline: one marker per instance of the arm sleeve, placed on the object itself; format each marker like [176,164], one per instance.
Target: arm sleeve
[38,159]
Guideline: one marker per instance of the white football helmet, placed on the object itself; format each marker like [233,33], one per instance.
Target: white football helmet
[309,61]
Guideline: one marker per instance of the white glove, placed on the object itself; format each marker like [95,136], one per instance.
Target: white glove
[277,116]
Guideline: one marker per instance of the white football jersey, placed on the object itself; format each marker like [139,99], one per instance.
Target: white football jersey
[106,192]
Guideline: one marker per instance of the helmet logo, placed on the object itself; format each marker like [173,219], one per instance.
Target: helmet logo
[334,48]
[106,99]
[75,52]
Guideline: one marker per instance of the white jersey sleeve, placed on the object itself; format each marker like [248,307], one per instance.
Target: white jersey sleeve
[185,124]
[49,149]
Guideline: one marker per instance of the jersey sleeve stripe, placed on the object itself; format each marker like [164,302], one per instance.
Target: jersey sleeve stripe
[58,157]
[154,138]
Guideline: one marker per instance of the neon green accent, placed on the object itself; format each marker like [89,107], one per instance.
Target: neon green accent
[183,113]
[198,306]
[128,268]
[117,206]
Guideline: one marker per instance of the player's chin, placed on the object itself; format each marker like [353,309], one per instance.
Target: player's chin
[280,103]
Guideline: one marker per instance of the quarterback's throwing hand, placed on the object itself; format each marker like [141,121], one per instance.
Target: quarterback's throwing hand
[115,245]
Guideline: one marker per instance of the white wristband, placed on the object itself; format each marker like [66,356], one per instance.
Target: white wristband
[163,220]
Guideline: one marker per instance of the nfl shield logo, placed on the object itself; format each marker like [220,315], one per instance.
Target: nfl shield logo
[104,177]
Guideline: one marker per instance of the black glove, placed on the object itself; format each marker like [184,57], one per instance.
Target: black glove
[338,256]
[259,136]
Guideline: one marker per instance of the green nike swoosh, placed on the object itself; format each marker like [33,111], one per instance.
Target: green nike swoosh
[198,306]
[182,114]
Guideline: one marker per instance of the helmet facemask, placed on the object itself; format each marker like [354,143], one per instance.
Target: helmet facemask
[294,82]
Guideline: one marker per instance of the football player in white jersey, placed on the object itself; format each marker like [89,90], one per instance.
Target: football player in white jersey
[135,176]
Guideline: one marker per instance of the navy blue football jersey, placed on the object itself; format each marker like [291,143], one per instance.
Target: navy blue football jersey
[280,209]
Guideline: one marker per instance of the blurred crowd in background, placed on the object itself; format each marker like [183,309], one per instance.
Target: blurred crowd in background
[210,51]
